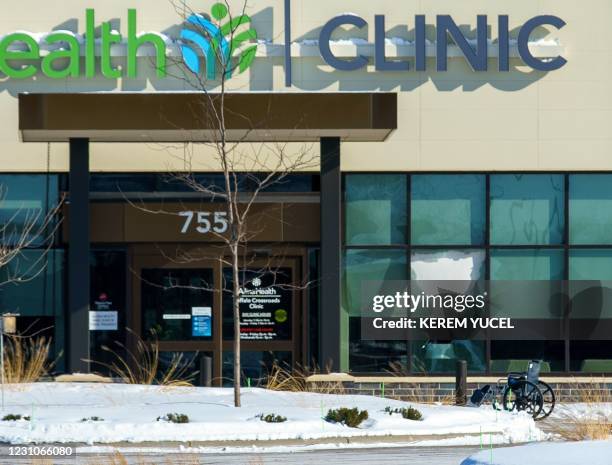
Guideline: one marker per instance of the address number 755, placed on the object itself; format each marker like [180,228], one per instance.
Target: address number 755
[205,222]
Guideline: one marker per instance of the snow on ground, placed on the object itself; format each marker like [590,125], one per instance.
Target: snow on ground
[549,453]
[130,414]
[591,411]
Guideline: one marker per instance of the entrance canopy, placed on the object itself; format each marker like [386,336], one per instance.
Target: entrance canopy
[178,117]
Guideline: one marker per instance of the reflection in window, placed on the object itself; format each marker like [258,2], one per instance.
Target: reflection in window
[526,264]
[526,283]
[590,208]
[507,356]
[40,291]
[448,209]
[590,273]
[369,265]
[447,265]
[375,209]
[25,200]
[527,209]
[39,298]
[591,356]
[375,356]
[590,264]
[442,356]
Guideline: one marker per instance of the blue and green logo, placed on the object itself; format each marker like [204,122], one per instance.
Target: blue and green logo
[224,42]
[218,38]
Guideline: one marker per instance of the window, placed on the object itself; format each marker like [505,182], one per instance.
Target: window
[447,265]
[40,291]
[177,303]
[524,283]
[527,209]
[525,234]
[508,356]
[375,209]
[165,183]
[442,356]
[448,209]
[526,264]
[370,265]
[26,200]
[590,209]
[38,298]
[108,294]
[591,287]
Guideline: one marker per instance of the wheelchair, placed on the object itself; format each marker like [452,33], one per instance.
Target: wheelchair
[520,392]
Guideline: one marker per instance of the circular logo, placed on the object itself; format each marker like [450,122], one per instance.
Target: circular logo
[280,315]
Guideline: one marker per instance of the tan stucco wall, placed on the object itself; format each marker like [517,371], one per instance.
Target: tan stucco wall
[458,120]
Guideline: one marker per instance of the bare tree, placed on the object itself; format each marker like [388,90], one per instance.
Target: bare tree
[23,229]
[232,48]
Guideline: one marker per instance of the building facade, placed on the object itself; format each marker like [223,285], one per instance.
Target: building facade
[499,158]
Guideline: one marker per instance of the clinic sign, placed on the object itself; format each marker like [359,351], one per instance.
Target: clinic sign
[477,55]
[209,42]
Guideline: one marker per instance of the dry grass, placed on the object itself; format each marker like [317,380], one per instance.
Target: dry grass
[593,423]
[142,365]
[26,360]
[283,379]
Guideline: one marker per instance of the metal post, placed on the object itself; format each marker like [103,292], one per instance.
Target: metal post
[331,253]
[206,371]
[461,383]
[78,258]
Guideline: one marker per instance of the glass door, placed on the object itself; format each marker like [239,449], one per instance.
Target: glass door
[269,320]
[177,304]
[108,310]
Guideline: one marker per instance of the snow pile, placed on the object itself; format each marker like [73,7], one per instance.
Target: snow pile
[129,413]
[567,453]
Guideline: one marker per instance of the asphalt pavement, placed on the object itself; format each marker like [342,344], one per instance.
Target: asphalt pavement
[357,456]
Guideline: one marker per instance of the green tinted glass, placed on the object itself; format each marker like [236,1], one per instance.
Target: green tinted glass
[448,209]
[25,201]
[590,209]
[527,209]
[375,209]
[370,265]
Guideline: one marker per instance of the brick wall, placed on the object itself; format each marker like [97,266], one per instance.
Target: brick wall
[430,390]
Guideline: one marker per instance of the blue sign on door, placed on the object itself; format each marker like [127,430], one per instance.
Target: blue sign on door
[201,322]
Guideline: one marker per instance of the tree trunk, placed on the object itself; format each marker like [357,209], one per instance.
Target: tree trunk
[236,309]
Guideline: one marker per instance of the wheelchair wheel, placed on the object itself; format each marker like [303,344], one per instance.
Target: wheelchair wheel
[548,398]
[523,396]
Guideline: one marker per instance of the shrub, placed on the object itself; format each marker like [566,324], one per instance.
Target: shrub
[13,417]
[351,417]
[272,418]
[94,418]
[409,413]
[174,418]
